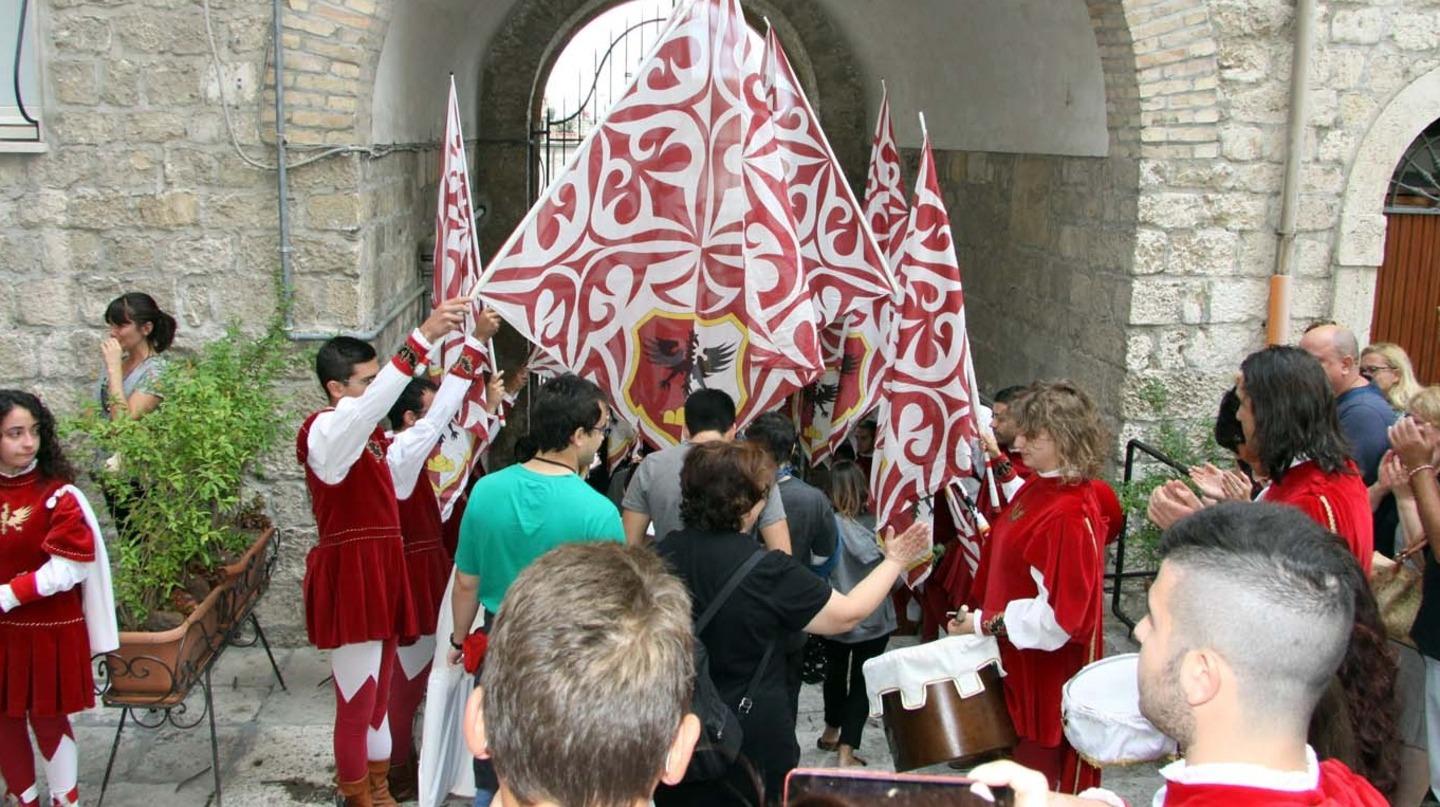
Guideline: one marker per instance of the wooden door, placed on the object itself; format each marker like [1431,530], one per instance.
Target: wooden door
[1407,291]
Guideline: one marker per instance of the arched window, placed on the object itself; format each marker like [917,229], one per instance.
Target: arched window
[1415,185]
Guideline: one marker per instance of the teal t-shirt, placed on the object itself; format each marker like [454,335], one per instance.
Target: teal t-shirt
[516,515]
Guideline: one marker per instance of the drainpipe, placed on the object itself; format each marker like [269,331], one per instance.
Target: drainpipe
[282,180]
[1277,329]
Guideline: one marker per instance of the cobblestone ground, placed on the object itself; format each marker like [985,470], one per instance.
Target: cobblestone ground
[274,745]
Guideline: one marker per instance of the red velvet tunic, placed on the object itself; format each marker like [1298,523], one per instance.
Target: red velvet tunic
[356,588]
[426,561]
[1339,787]
[1338,502]
[44,646]
[1053,527]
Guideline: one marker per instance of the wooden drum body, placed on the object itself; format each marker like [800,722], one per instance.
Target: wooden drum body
[941,702]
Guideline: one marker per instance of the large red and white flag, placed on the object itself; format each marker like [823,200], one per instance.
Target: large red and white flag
[457,267]
[663,259]
[927,418]
[853,346]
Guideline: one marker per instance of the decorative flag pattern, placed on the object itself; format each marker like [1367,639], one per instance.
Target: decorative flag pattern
[927,420]
[663,259]
[457,266]
[853,346]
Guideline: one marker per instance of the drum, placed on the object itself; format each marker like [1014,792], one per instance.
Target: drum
[941,702]
[1100,707]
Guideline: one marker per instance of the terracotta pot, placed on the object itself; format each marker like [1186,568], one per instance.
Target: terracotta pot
[248,573]
[158,668]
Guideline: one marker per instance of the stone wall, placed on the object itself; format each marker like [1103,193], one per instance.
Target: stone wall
[141,189]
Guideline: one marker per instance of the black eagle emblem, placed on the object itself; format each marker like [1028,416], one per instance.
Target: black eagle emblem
[690,362]
[822,397]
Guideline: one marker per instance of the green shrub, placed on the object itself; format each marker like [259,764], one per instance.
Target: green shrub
[1188,444]
[182,467]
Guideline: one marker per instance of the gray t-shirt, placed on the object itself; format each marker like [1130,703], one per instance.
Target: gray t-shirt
[811,520]
[141,379]
[655,491]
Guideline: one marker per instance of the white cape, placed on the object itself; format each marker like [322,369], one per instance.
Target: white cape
[445,762]
[98,595]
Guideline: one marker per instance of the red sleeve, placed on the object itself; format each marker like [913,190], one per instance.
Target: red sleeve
[69,536]
[1067,552]
[471,364]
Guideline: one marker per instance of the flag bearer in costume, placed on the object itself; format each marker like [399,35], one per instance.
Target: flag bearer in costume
[357,594]
[418,420]
[1040,578]
[49,544]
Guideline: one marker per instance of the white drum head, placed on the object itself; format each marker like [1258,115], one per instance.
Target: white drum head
[1101,711]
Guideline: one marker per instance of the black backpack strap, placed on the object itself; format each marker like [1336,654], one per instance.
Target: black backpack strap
[727,590]
[745,702]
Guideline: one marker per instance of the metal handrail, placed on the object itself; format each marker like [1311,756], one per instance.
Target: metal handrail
[1119,576]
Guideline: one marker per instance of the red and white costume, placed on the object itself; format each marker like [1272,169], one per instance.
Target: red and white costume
[1043,567]
[427,561]
[357,592]
[1338,502]
[1321,784]
[49,628]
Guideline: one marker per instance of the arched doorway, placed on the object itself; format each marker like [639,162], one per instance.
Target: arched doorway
[1407,287]
[594,68]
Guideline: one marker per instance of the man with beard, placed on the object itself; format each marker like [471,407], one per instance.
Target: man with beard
[1249,619]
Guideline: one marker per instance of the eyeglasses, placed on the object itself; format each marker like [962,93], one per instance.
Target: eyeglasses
[1372,369]
[604,430]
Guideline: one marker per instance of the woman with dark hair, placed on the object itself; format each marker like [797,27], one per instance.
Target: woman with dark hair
[1288,418]
[1288,414]
[139,333]
[1238,484]
[50,545]
[846,704]
[1354,721]
[1040,580]
[723,488]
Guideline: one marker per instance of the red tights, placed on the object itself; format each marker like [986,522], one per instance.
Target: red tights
[362,696]
[57,750]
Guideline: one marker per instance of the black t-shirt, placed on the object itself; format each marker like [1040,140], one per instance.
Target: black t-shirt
[778,597]
[811,520]
[1426,630]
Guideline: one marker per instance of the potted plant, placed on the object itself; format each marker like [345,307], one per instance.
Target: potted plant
[188,559]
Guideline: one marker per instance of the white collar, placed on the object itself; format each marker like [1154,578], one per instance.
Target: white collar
[1243,774]
[1055,474]
[27,469]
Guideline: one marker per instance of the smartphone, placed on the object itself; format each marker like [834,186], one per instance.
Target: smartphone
[829,787]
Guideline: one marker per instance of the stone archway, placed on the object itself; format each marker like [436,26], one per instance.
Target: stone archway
[1360,236]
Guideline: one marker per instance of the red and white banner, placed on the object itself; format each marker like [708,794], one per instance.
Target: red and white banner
[927,419]
[665,258]
[457,267]
[885,207]
[853,347]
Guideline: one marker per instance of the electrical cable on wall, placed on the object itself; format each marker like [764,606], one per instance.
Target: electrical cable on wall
[374,151]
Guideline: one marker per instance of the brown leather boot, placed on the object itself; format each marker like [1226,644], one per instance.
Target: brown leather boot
[380,784]
[354,794]
[405,780]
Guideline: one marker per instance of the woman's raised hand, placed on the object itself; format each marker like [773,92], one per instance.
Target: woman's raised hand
[909,546]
